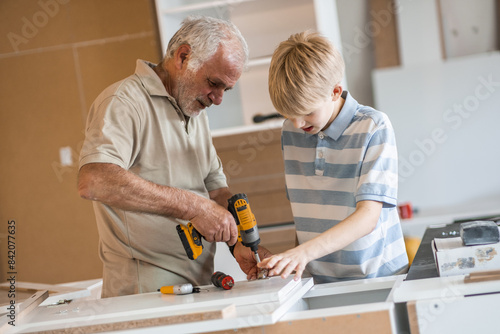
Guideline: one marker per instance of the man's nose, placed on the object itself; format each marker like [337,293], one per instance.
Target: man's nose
[216,96]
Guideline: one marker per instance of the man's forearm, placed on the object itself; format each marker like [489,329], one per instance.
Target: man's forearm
[116,187]
[221,196]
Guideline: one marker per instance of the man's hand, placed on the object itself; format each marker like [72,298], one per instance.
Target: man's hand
[246,259]
[215,223]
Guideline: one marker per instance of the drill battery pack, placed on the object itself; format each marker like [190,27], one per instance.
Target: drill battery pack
[191,240]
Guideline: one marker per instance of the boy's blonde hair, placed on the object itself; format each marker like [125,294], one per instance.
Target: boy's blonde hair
[304,70]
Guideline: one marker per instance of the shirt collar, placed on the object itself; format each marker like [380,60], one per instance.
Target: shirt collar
[344,118]
[152,82]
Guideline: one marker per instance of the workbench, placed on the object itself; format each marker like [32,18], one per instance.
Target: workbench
[379,305]
[271,305]
[419,302]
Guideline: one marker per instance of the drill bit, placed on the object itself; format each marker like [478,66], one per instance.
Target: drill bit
[257,258]
[262,272]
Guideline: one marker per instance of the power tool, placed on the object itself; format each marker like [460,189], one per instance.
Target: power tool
[179,289]
[248,232]
[221,280]
[191,240]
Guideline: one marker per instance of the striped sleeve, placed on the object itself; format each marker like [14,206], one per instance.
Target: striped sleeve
[378,180]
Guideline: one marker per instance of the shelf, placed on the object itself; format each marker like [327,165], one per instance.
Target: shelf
[247,128]
[259,61]
[201,6]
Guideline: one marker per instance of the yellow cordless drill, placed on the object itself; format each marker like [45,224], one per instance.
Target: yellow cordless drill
[248,232]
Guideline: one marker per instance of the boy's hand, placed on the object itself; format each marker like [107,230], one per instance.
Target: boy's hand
[284,264]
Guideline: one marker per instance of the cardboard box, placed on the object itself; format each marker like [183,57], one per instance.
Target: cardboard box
[453,258]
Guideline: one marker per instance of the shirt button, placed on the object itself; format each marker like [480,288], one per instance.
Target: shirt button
[320,155]
[321,135]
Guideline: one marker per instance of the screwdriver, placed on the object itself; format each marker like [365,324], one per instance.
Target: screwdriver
[179,289]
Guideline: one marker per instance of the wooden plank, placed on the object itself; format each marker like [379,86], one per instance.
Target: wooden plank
[203,314]
[369,322]
[21,311]
[25,290]
[143,309]
[30,287]
[20,296]
[411,307]
[482,276]
[441,287]
[363,322]
[29,304]
[385,37]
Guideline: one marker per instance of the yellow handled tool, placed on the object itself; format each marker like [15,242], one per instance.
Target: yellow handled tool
[191,240]
[179,289]
[248,233]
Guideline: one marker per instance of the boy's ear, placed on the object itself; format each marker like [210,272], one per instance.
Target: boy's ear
[337,92]
[182,56]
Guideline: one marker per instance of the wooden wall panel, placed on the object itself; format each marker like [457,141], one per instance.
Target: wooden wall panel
[103,64]
[46,87]
[278,239]
[253,164]
[41,115]
[33,24]
[385,36]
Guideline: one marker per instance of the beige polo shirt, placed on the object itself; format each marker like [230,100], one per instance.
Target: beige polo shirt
[136,125]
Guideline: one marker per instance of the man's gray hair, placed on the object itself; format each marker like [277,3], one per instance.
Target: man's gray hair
[204,35]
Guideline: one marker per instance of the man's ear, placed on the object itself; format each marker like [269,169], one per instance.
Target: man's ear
[337,92]
[182,56]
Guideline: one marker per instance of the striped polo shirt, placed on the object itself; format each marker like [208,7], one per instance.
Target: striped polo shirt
[354,159]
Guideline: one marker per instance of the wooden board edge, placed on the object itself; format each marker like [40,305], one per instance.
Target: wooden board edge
[482,276]
[214,313]
[29,304]
[411,307]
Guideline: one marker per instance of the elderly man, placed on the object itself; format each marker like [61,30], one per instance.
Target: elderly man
[149,164]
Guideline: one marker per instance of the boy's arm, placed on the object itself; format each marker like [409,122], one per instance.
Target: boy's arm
[360,223]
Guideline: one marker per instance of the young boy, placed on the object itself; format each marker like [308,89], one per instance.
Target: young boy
[340,168]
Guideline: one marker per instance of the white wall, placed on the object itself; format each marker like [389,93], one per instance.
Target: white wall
[446,114]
